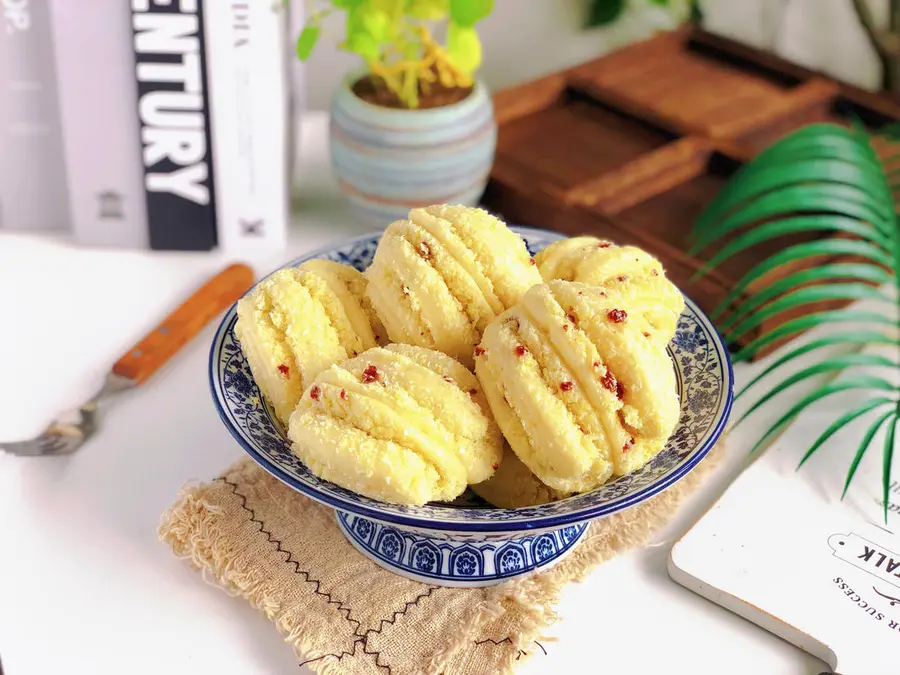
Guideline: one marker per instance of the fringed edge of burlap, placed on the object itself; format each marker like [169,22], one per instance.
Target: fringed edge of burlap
[189,528]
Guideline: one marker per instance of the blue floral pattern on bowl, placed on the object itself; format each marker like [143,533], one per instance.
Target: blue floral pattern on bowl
[458,562]
[424,537]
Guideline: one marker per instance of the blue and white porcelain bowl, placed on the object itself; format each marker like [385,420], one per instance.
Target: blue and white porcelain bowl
[468,542]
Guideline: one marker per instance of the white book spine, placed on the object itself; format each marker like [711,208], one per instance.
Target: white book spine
[297,79]
[33,192]
[101,138]
[249,109]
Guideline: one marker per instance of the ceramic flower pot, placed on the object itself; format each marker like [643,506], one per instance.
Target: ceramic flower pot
[388,161]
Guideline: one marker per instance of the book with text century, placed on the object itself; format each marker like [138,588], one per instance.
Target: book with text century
[213,102]
[173,105]
[178,139]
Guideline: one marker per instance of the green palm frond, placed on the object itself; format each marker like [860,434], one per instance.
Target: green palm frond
[825,187]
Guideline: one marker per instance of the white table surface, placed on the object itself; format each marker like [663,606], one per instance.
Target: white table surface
[88,588]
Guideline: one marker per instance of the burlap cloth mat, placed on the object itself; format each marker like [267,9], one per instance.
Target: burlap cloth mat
[262,541]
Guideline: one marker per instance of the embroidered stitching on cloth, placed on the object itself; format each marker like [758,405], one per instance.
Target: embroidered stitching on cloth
[260,540]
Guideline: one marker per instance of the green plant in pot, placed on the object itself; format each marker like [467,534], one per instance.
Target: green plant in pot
[414,125]
[824,180]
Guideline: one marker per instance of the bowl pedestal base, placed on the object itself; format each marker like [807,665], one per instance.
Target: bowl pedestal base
[458,559]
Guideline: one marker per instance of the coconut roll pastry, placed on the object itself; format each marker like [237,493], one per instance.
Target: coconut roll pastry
[627,274]
[401,424]
[513,486]
[301,320]
[440,277]
[581,390]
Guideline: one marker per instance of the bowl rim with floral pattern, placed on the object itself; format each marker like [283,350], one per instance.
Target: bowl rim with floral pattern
[706,389]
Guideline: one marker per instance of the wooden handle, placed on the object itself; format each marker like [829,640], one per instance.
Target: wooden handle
[158,346]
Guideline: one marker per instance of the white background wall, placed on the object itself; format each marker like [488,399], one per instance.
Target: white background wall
[524,39]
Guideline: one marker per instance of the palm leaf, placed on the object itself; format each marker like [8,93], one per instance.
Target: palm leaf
[802,296]
[888,459]
[847,201]
[804,323]
[779,228]
[863,446]
[850,339]
[838,146]
[813,249]
[863,382]
[858,271]
[825,185]
[837,363]
[840,422]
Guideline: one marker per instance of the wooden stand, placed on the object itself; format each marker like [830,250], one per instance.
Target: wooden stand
[633,145]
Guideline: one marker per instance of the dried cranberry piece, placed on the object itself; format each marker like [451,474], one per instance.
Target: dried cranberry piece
[609,381]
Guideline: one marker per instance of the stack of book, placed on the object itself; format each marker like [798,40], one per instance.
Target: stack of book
[159,124]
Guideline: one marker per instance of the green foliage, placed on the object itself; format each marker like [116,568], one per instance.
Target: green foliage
[394,38]
[825,180]
[464,47]
[467,13]
[307,41]
[604,12]
[607,12]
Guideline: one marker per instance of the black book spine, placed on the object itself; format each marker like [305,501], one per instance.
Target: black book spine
[173,108]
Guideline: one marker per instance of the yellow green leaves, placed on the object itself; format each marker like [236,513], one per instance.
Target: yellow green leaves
[467,13]
[427,10]
[368,27]
[307,41]
[463,47]
[370,20]
[364,45]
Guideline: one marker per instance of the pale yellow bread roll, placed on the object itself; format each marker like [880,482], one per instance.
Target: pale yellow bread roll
[299,321]
[631,272]
[401,424]
[441,276]
[513,486]
[580,392]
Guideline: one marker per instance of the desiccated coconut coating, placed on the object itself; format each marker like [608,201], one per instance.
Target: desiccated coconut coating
[580,391]
[632,275]
[441,276]
[401,424]
[299,321]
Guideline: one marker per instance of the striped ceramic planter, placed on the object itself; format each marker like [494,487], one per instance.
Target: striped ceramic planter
[388,161]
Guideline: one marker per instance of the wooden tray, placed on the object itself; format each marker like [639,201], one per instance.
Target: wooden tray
[633,146]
